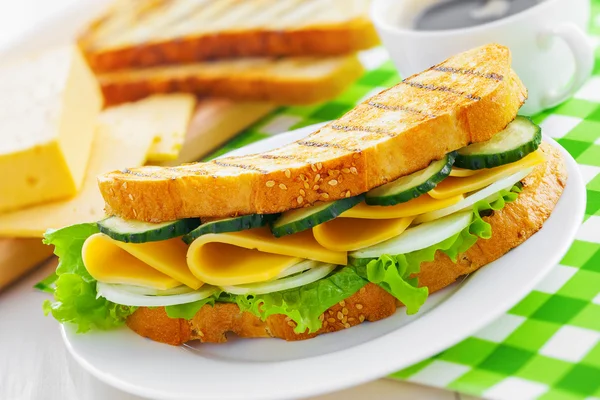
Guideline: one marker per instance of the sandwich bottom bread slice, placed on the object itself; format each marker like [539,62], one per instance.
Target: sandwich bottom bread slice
[105,279]
[510,226]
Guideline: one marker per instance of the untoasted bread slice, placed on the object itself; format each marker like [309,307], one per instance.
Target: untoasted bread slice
[143,33]
[300,80]
[511,226]
[468,98]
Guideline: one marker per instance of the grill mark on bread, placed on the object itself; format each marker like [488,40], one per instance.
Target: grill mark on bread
[410,110]
[446,89]
[491,75]
[312,143]
[241,166]
[349,128]
[274,157]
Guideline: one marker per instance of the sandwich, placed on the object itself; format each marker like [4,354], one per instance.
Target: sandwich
[147,33]
[419,185]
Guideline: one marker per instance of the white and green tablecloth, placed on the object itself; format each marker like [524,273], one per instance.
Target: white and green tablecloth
[548,345]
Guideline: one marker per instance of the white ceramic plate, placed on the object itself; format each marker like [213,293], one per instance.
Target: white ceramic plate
[275,369]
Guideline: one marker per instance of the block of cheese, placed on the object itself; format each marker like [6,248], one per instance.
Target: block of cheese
[48,109]
[165,117]
[112,150]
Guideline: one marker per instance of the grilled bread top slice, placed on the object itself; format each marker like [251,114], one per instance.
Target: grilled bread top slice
[467,98]
[142,33]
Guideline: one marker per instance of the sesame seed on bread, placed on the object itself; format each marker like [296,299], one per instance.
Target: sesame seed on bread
[511,226]
[468,98]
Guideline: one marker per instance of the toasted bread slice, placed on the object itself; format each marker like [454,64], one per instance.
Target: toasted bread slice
[511,226]
[468,98]
[300,80]
[143,33]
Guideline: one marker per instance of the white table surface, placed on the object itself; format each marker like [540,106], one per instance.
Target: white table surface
[34,364]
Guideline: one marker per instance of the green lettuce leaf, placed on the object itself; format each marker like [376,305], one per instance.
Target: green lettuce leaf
[47,284]
[75,298]
[396,273]
[304,305]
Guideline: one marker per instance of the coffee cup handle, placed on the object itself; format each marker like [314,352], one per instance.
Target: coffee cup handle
[583,54]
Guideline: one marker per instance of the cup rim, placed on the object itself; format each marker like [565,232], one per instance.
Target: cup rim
[376,6]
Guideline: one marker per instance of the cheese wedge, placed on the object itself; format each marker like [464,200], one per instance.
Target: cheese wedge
[110,264]
[166,256]
[420,205]
[48,105]
[112,150]
[349,234]
[450,187]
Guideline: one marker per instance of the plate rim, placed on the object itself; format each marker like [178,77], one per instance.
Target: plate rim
[574,184]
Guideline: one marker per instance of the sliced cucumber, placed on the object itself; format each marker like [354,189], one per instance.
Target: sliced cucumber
[518,139]
[233,224]
[301,219]
[411,186]
[130,231]
[416,238]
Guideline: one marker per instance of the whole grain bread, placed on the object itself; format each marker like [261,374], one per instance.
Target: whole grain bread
[294,80]
[467,98]
[144,33]
[511,226]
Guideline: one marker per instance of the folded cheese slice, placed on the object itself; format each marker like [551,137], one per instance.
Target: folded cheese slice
[420,205]
[107,262]
[453,186]
[254,255]
[349,234]
[166,256]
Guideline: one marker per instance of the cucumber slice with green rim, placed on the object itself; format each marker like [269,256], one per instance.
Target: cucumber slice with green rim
[411,186]
[301,219]
[233,224]
[131,231]
[518,139]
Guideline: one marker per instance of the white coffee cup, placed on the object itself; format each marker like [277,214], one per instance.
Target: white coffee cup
[551,52]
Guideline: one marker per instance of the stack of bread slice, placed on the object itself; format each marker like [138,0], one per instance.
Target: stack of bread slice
[281,51]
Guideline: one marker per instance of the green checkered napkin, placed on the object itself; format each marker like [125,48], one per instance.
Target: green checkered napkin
[548,345]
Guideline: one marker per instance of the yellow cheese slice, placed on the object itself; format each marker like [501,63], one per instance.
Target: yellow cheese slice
[111,150]
[462,172]
[164,117]
[166,256]
[302,244]
[454,186]
[224,264]
[420,205]
[108,263]
[349,234]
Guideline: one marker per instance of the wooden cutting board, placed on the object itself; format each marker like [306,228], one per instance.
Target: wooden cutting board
[215,121]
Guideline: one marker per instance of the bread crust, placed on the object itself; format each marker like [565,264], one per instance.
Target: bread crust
[283,81]
[352,36]
[511,226]
[467,98]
